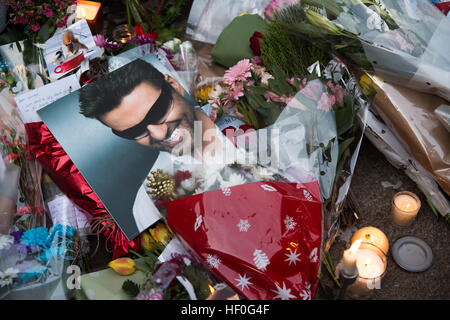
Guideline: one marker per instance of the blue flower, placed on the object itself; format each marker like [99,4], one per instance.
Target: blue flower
[62,233]
[35,237]
[53,252]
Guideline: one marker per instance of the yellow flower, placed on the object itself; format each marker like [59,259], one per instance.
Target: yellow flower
[123,266]
[203,93]
[160,233]
[146,241]
[368,86]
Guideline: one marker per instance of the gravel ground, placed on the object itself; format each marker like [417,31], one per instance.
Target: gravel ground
[375,204]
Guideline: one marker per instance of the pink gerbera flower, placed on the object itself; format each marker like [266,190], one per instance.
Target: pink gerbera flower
[238,72]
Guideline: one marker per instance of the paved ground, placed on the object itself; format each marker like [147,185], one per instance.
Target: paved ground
[375,203]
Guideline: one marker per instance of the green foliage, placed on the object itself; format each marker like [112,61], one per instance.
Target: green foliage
[283,49]
[131,288]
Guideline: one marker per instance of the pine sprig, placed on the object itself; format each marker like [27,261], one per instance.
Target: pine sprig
[131,288]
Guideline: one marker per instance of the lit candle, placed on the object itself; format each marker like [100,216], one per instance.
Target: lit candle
[90,11]
[374,236]
[405,206]
[371,264]
[350,259]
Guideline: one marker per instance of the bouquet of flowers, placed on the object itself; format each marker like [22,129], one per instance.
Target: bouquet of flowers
[402,43]
[40,18]
[31,261]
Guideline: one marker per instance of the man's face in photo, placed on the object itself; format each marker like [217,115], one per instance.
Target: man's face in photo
[175,129]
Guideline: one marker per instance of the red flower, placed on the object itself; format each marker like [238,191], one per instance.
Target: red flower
[162,203]
[254,43]
[181,175]
[12,157]
[140,32]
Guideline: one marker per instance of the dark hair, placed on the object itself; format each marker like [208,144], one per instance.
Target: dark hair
[106,93]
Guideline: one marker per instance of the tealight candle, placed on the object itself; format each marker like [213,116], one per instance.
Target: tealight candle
[371,264]
[405,206]
[90,11]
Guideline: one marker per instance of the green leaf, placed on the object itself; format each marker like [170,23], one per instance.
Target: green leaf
[344,145]
[344,119]
[131,288]
[44,32]
[257,90]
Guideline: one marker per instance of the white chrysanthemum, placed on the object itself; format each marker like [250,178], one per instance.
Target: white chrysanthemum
[188,184]
[261,173]
[234,180]
[6,241]
[7,277]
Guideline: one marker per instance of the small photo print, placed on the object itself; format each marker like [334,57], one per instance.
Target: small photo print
[67,49]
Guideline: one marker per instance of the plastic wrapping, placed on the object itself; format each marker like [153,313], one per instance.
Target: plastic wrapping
[208,18]
[443,114]
[388,144]
[404,42]
[411,117]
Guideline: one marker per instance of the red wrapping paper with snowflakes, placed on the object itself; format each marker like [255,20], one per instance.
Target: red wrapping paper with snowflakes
[263,238]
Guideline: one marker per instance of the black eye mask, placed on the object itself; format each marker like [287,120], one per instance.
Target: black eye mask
[156,115]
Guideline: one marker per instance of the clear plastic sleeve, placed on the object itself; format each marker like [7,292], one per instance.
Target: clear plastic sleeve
[208,18]
[405,42]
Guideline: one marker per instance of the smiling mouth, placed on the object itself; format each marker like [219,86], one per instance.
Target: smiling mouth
[175,138]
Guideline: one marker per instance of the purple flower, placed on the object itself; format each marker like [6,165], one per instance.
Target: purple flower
[152,295]
[35,27]
[17,235]
[48,12]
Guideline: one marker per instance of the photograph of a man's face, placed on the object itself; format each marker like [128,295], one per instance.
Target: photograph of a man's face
[139,103]
[116,129]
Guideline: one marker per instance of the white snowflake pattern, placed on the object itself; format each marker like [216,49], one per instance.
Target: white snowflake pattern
[268,187]
[243,281]
[261,260]
[283,293]
[313,256]
[305,294]
[292,256]
[198,223]
[289,223]
[226,191]
[243,225]
[213,261]
[307,195]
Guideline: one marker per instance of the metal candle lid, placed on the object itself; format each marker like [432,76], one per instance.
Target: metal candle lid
[412,254]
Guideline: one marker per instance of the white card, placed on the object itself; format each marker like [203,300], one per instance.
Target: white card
[64,212]
[30,102]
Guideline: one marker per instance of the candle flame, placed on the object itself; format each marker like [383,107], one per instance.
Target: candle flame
[83,12]
[211,288]
[355,246]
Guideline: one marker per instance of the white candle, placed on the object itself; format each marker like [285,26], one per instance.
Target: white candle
[350,258]
[369,264]
[405,207]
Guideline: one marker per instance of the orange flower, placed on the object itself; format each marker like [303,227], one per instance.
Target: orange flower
[123,266]
[160,233]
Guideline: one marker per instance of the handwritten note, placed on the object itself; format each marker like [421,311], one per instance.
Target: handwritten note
[64,212]
[30,102]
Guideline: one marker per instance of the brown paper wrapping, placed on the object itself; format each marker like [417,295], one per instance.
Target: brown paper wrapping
[409,114]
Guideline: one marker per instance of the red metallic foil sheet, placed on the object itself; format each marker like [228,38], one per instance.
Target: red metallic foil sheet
[263,239]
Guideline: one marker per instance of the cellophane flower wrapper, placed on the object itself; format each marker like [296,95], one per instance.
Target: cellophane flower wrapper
[207,19]
[184,61]
[15,156]
[33,261]
[403,42]
[261,226]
